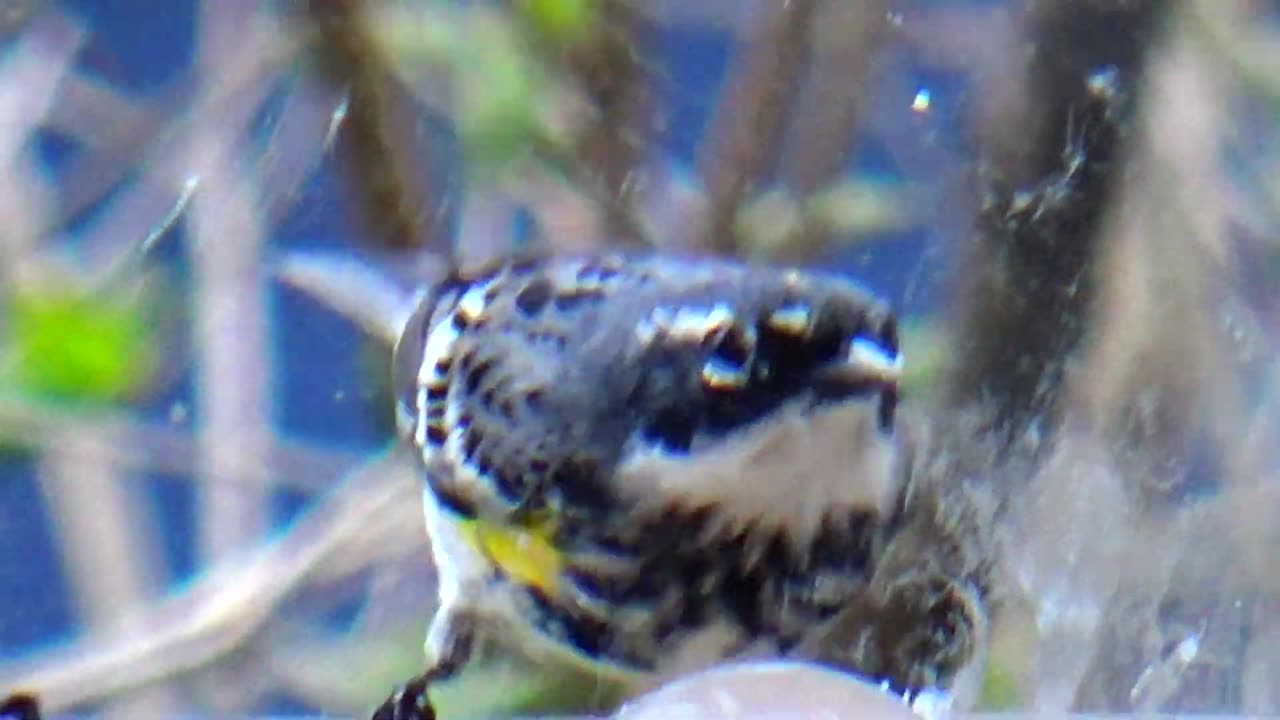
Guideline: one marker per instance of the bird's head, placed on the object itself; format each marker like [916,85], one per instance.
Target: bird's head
[579,383]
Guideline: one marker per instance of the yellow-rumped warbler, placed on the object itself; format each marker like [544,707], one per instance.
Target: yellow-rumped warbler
[650,465]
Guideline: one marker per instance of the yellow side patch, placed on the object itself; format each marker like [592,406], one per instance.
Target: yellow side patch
[523,553]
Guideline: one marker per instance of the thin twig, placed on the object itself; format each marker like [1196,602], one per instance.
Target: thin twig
[613,144]
[170,450]
[381,148]
[745,126]
[349,287]
[829,110]
[30,79]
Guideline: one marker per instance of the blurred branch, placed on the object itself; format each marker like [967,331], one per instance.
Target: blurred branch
[744,130]
[226,237]
[29,79]
[301,137]
[353,290]
[108,546]
[829,110]
[1055,158]
[1163,392]
[163,450]
[227,607]
[1158,359]
[1252,48]
[381,147]
[613,144]
[124,137]
[116,132]
[1051,167]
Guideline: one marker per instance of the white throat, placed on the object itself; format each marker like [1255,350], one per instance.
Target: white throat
[786,473]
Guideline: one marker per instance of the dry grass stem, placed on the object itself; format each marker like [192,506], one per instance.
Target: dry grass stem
[229,605]
[109,546]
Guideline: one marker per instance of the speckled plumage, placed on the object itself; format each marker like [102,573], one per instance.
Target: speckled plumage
[710,450]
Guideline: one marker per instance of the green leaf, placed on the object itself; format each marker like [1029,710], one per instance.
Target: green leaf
[69,344]
[562,21]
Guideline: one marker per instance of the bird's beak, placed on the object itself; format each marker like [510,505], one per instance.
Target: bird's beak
[874,362]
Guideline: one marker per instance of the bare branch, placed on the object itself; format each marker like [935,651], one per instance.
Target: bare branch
[381,145]
[744,130]
[1027,280]
[227,607]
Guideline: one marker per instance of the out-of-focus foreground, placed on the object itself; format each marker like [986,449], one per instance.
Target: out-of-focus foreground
[1075,208]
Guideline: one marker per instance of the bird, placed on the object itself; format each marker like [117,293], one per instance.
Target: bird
[643,466]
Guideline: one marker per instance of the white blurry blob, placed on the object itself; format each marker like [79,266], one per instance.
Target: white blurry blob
[1160,680]
[773,690]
